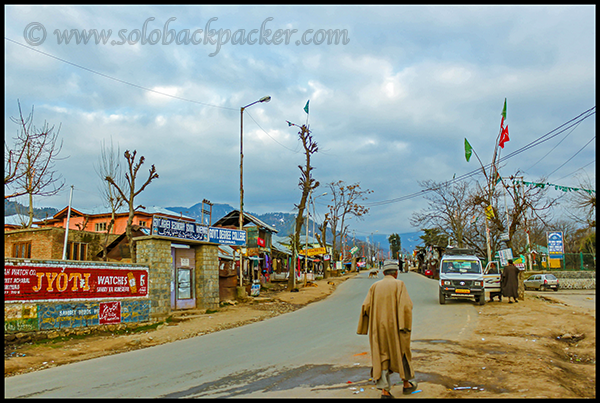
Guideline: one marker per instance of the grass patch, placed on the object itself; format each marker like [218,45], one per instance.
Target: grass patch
[54,343]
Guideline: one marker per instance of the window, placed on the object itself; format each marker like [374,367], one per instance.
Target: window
[100,226]
[77,251]
[142,223]
[22,249]
[460,266]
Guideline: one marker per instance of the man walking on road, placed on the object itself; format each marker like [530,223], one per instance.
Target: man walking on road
[386,316]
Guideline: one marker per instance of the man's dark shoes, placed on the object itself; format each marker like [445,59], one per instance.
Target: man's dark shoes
[390,396]
[411,389]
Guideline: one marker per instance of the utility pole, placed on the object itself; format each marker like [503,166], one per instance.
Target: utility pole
[64,255]
[528,251]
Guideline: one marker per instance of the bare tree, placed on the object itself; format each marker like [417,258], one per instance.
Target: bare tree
[307,184]
[129,192]
[109,166]
[532,201]
[345,205]
[447,209]
[29,165]
[583,202]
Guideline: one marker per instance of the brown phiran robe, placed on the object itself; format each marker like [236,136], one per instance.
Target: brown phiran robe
[510,281]
[386,316]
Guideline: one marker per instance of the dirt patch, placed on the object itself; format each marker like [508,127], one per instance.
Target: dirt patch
[536,348]
[533,349]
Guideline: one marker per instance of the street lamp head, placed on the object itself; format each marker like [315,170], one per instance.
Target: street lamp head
[265,99]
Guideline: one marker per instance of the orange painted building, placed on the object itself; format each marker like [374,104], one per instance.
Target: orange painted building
[98,222]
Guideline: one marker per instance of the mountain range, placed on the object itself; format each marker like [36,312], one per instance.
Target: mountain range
[284,223]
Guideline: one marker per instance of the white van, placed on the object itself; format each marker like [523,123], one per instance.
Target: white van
[461,276]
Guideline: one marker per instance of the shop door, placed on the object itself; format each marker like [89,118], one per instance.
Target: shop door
[183,287]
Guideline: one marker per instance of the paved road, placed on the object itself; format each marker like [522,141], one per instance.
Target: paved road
[291,355]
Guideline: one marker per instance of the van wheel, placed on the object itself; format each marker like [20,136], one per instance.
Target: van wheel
[442,298]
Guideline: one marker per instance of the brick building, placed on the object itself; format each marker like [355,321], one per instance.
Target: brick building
[48,243]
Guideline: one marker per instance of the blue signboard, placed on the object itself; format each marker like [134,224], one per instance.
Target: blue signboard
[173,228]
[555,245]
[226,236]
[170,227]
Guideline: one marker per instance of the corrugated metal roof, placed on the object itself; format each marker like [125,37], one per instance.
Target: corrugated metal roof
[232,219]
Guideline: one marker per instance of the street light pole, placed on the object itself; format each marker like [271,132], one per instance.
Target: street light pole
[241,219]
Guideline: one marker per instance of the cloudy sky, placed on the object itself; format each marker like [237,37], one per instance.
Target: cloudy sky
[392,97]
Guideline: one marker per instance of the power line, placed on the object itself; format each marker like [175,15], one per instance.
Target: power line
[581,149]
[566,176]
[551,134]
[118,79]
[294,151]
[554,148]
[144,88]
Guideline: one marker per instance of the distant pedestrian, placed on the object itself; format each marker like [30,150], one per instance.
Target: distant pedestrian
[510,282]
[386,316]
[400,264]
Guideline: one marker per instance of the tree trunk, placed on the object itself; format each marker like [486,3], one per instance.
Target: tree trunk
[129,234]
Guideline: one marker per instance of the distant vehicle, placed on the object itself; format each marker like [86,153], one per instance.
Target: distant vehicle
[461,276]
[428,273]
[542,282]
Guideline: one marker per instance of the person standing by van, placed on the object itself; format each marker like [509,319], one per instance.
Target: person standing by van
[510,282]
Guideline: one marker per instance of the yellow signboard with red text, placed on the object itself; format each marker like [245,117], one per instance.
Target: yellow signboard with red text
[313,252]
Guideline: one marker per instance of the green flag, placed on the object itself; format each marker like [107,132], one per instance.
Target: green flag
[306,107]
[498,178]
[504,111]
[468,150]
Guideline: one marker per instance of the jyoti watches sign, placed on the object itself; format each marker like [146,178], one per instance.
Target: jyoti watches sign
[173,228]
[33,282]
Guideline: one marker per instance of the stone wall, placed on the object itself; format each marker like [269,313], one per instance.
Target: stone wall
[156,254]
[574,280]
[207,277]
